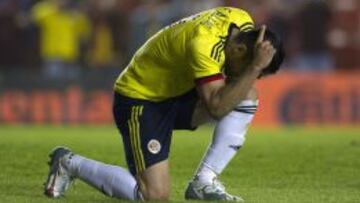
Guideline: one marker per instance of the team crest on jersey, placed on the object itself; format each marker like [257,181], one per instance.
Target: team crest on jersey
[154,146]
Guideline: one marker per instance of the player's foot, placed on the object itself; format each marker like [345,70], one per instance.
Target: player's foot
[59,178]
[213,191]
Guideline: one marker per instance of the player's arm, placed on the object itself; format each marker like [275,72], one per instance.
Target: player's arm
[220,97]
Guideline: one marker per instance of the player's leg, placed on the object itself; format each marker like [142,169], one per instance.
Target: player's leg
[193,113]
[151,184]
[229,136]
[112,180]
[155,181]
[146,132]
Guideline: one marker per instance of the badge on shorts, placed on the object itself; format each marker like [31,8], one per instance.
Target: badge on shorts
[154,146]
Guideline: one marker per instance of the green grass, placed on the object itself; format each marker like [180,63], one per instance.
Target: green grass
[276,165]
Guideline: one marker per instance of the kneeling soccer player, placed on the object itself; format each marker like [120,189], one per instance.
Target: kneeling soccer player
[200,68]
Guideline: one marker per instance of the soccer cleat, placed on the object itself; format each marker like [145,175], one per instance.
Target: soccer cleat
[213,191]
[59,178]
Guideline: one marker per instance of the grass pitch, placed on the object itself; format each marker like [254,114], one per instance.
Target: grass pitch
[275,165]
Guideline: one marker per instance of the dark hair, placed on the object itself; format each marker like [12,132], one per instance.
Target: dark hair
[249,39]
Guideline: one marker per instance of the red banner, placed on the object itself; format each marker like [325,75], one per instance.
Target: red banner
[54,106]
[331,99]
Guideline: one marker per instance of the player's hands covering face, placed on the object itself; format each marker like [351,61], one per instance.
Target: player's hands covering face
[264,51]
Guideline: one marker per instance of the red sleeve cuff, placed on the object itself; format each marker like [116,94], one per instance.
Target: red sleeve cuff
[210,78]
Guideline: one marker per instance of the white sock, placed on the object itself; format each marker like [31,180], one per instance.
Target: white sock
[113,181]
[228,138]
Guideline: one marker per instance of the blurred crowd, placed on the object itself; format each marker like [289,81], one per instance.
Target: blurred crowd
[63,37]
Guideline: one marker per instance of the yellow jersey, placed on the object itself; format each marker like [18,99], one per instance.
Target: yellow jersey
[61,31]
[181,55]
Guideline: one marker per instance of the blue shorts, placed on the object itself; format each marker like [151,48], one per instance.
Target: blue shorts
[146,127]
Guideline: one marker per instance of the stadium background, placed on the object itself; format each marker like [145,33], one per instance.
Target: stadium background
[56,77]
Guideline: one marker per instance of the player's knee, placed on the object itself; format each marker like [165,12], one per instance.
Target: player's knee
[160,194]
[154,182]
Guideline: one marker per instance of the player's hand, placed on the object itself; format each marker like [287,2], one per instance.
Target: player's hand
[264,51]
